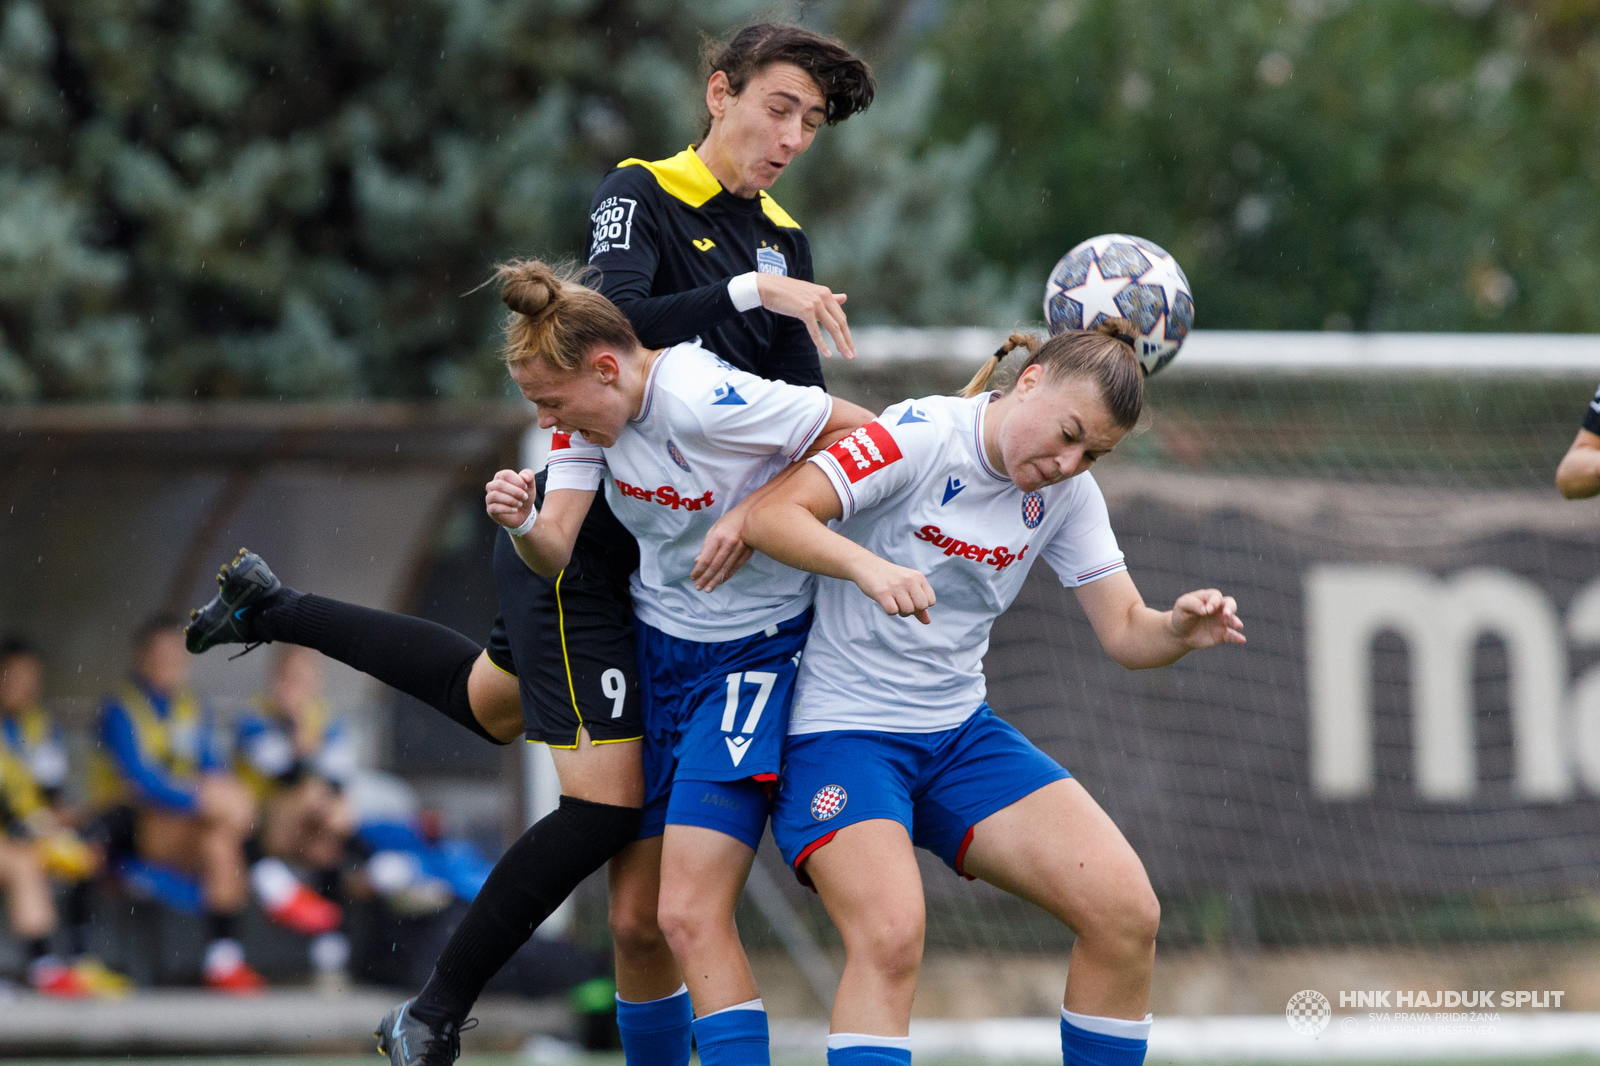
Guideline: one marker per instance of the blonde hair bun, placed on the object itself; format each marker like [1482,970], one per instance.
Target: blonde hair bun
[529,287]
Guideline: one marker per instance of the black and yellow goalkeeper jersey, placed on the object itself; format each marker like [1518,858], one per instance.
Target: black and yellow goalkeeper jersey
[667,237]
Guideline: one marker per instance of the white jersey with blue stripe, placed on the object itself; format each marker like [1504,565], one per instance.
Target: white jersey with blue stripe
[706,436]
[918,490]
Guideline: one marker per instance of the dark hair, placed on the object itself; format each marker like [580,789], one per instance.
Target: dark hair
[845,80]
[160,622]
[555,317]
[17,644]
[1104,353]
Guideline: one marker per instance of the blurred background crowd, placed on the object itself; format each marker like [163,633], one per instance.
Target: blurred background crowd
[241,833]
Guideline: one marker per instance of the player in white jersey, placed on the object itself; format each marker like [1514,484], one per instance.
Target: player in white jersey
[679,438]
[942,505]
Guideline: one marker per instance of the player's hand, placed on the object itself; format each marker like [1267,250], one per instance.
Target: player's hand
[509,497]
[1205,619]
[816,305]
[899,590]
[723,551]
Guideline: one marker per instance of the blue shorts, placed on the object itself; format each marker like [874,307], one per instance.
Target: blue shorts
[937,785]
[715,719]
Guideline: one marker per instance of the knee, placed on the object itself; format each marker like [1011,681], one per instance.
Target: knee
[891,944]
[227,805]
[634,931]
[682,923]
[1129,920]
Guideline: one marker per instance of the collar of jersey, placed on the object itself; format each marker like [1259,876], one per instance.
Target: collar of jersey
[686,177]
[977,438]
[650,387]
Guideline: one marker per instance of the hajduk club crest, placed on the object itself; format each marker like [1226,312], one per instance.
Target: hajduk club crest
[1032,510]
[677,456]
[828,801]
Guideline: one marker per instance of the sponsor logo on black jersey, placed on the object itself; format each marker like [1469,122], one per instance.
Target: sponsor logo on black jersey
[771,261]
[705,244]
[613,225]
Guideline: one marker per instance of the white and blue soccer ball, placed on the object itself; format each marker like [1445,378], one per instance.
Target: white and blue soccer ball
[1117,275]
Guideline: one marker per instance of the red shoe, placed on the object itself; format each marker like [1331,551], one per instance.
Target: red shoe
[50,978]
[306,912]
[236,980]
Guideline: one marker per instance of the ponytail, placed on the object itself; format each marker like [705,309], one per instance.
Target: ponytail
[980,381]
[1103,352]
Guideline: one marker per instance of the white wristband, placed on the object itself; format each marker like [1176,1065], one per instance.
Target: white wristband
[744,292]
[522,530]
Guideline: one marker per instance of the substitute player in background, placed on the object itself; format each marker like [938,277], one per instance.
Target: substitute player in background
[39,840]
[1578,476]
[892,744]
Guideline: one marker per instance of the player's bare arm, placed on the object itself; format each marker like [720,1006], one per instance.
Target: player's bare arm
[1140,638]
[789,527]
[725,549]
[1578,476]
[547,546]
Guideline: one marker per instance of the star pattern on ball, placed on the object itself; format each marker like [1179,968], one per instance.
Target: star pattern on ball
[1096,291]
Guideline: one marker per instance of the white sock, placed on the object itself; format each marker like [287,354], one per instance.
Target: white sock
[275,883]
[1120,1027]
[749,1004]
[223,955]
[843,1040]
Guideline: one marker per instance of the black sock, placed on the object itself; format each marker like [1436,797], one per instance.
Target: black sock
[78,918]
[253,851]
[38,948]
[418,657]
[220,926]
[533,878]
[328,883]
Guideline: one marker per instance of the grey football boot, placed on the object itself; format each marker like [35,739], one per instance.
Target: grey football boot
[409,1041]
[243,583]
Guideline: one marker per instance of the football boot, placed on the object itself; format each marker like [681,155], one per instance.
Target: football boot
[243,583]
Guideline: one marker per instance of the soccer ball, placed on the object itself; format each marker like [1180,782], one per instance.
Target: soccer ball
[1118,275]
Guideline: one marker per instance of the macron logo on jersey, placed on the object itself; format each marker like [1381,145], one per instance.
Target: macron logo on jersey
[869,448]
[952,489]
[999,558]
[725,396]
[911,415]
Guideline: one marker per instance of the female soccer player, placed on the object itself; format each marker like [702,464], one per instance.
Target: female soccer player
[679,437]
[945,504]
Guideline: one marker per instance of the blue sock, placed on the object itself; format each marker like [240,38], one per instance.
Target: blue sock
[736,1036]
[656,1031]
[1090,1041]
[859,1049]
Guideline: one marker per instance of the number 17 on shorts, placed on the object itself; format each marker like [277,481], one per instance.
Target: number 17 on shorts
[736,728]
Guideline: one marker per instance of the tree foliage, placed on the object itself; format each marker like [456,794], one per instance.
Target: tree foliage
[291,197]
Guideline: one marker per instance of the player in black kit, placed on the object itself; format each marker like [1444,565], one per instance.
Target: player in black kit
[688,246]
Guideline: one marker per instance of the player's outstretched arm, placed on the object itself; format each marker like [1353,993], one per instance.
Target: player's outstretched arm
[1578,476]
[788,526]
[546,544]
[1139,638]
[724,550]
